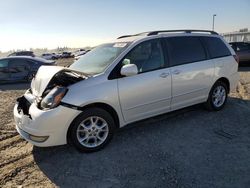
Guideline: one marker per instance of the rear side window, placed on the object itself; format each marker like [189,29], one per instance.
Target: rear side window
[184,50]
[216,47]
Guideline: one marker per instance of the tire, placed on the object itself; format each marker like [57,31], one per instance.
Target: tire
[86,133]
[211,103]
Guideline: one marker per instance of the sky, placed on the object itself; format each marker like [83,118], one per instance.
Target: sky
[50,24]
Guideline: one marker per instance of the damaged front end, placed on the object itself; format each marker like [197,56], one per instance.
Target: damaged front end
[57,89]
[48,88]
[39,107]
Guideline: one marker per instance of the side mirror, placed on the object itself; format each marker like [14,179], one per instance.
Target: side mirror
[129,70]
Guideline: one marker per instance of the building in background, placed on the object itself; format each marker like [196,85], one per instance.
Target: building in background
[243,35]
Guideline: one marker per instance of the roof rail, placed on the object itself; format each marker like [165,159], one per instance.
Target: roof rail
[170,31]
[124,36]
[182,30]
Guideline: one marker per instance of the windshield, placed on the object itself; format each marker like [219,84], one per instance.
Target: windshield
[99,58]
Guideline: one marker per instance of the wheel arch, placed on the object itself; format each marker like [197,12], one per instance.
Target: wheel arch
[226,81]
[101,105]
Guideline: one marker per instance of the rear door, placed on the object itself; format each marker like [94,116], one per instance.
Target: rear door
[149,92]
[19,69]
[4,70]
[192,73]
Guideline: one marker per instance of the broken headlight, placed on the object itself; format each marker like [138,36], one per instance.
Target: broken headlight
[53,98]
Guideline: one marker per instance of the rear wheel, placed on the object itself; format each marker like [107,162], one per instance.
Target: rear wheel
[217,96]
[92,130]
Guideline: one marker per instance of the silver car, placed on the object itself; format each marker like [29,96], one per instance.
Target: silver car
[127,80]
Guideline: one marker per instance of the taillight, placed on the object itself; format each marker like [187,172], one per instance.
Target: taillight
[236,59]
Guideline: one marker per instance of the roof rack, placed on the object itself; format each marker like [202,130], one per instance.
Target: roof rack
[124,36]
[184,31]
[150,33]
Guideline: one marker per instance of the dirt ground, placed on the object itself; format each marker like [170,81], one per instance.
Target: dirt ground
[185,148]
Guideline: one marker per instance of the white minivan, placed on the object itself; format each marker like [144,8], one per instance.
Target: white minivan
[129,79]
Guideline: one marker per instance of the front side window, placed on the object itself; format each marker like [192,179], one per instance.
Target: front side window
[184,50]
[98,59]
[3,63]
[146,56]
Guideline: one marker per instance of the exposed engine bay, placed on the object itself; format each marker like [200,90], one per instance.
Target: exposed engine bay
[48,87]
[63,78]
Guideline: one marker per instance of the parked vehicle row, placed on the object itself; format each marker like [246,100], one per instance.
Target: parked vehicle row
[20,68]
[117,83]
[51,56]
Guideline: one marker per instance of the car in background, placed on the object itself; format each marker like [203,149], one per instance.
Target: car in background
[242,50]
[22,53]
[57,55]
[66,55]
[49,56]
[80,53]
[20,68]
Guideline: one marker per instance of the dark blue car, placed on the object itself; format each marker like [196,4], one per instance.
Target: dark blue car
[20,68]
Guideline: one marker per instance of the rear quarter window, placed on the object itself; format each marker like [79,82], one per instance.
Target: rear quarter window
[216,47]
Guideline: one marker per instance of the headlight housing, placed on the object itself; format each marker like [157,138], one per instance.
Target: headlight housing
[53,98]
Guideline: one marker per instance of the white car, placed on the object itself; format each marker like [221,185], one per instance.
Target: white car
[78,54]
[127,80]
[49,56]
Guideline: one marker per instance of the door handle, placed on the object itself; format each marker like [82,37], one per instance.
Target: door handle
[164,75]
[176,71]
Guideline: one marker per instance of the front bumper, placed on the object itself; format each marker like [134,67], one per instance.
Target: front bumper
[37,124]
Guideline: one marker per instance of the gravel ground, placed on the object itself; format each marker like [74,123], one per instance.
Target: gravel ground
[186,148]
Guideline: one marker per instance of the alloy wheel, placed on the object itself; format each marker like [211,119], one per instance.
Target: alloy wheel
[92,131]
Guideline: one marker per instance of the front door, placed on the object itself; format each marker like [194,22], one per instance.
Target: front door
[19,69]
[149,92]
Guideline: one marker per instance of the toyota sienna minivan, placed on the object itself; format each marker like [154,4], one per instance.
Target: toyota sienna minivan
[129,79]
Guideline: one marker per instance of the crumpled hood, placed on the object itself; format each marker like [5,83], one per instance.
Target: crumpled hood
[42,78]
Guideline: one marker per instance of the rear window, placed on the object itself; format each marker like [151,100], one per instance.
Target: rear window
[184,50]
[216,47]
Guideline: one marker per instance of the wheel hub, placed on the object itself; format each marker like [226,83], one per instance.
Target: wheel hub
[92,131]
[219,96]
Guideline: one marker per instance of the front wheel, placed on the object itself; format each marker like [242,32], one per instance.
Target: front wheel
[217,96]
[92,130]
